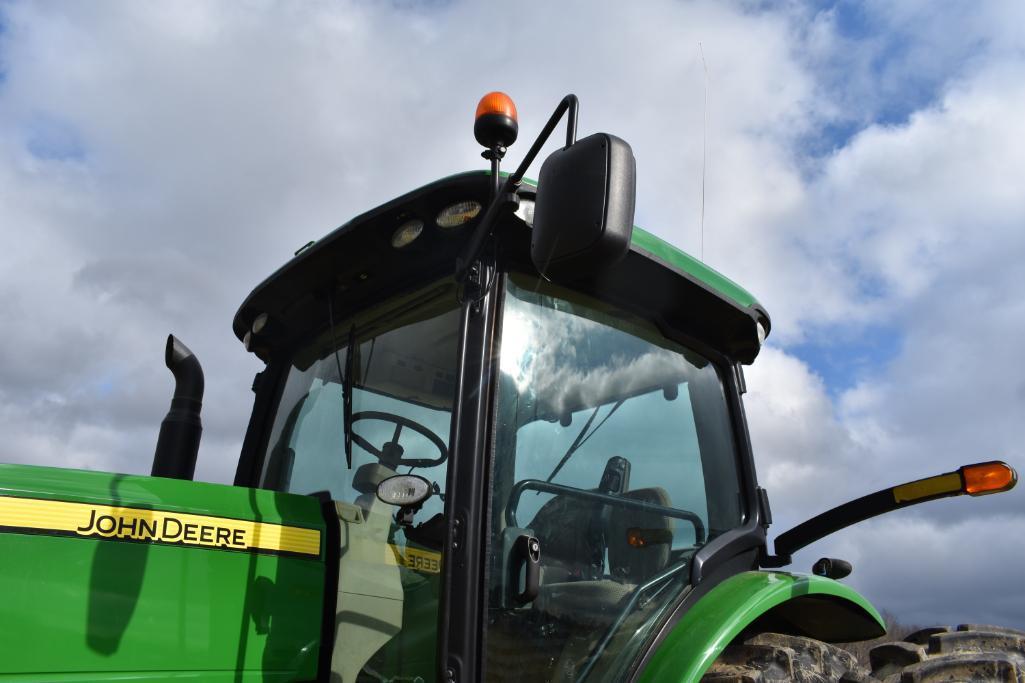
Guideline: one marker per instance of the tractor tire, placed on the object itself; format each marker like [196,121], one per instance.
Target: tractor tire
[940,655]
[778,658]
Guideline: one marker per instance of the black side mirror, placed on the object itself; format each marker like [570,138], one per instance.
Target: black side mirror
[583,216]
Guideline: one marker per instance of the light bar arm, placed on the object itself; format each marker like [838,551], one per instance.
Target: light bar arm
[878,503]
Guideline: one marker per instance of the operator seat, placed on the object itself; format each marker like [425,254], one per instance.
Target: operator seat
[562,526]
[598,601]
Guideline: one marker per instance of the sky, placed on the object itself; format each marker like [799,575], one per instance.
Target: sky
[863,168]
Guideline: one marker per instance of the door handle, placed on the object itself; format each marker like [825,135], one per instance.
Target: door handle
[526,558]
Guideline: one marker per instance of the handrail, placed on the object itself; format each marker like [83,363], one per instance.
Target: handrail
[609,498]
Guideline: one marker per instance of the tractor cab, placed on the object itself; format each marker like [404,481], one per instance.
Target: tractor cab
[530,460]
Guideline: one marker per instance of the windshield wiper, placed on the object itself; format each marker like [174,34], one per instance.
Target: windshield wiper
[581,439]
[345,378]
[347,397]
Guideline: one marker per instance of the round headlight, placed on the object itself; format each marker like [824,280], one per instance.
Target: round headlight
[525,212]
[407,233]
[404,489]
[457,214]
[259,323]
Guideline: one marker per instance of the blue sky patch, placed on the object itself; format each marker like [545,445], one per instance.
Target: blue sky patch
[105,386]
[829,138]
[853,19]
[53,139]
[3,31]
[879,73]
[842,358]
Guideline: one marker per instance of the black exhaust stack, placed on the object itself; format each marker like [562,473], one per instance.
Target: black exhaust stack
[178,443]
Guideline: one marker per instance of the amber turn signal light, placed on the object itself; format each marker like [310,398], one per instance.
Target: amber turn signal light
[988,477]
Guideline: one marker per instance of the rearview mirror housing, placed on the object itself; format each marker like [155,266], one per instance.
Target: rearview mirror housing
[584,212]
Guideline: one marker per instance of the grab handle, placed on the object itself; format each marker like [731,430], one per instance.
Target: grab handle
[526,556]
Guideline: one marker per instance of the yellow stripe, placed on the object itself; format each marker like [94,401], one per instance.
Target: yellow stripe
[156,526]
[924,488]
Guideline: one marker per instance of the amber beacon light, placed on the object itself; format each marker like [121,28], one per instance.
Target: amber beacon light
[495,123]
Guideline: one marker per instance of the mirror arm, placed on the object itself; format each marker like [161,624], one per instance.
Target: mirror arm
[506,194]
[570,103]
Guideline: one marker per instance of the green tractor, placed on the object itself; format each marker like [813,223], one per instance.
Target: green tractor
[499,437]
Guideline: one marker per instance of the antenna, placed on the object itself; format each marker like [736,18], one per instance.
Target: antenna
[704,148]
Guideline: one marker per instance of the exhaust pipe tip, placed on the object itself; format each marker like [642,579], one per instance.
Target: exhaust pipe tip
[178,442]
[188,373]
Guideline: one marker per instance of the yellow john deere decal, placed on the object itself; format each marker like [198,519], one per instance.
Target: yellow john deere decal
[425,561]
[155,526]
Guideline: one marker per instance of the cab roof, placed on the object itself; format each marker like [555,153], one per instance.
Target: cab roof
[359,263]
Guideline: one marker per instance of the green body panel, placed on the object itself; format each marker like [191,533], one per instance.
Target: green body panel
[645,241]
[699,271]
[154,677]
[709,626]
[76,608]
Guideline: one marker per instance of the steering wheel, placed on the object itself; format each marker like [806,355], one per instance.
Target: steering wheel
[390,453]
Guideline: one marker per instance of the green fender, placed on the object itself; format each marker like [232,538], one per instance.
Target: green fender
[802,605]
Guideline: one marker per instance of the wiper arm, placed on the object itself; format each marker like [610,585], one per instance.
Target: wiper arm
[573,446]
[582,439]
[347,397]
[345,378]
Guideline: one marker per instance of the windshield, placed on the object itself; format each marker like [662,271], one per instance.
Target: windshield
[614,449]
[395,367]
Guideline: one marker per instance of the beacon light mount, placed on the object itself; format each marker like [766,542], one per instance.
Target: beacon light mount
[504,193]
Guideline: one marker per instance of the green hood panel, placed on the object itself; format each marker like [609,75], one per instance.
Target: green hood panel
[200,582]
[825,609]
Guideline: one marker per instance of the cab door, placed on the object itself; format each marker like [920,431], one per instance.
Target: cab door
[365,398]
[614,463]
